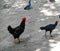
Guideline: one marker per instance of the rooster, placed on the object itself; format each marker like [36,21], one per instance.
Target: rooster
[17,31]
[49,27]
[28,5]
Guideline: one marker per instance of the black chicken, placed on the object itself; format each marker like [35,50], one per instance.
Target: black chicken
[17,31]
[49,27]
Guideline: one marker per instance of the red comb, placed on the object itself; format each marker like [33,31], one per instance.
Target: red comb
[24,19]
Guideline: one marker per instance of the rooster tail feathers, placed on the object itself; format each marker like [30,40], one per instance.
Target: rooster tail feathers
[10,29]
[42,28]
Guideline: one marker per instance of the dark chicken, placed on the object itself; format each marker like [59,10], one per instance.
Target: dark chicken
[17,31]
[49,27]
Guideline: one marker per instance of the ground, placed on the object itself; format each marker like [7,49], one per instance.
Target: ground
[33,39]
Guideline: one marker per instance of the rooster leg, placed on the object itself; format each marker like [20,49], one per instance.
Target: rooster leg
[50,33]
